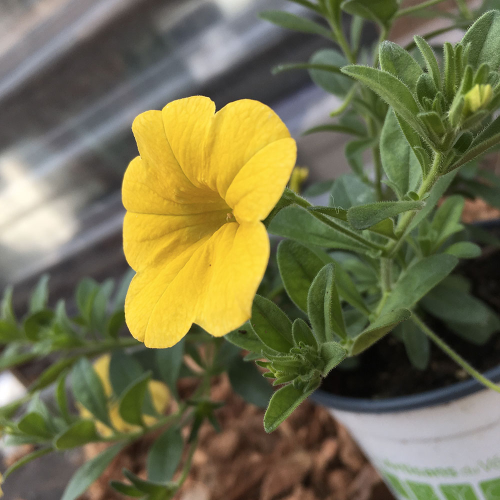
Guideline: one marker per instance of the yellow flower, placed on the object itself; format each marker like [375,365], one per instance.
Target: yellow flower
[195,199]
[160,397]
[478,97]
[299,176]
[1,482]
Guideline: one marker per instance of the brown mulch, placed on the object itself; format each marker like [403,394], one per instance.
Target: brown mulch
[309,457]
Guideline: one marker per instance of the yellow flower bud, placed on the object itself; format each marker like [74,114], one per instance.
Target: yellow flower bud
[478,97]
[1,481]
[299,175]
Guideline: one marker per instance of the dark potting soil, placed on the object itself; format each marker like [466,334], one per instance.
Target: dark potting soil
[384,370]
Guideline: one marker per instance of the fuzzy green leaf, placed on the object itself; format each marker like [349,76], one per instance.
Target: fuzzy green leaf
[380,11]
[292,22]
[397,61]
[165,456]
[365,216]
[334,83]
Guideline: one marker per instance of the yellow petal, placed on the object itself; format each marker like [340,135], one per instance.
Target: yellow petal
[101,367]
[239,131]
[187,125]
[153,240]
[240,256]
[214,287]
[160,395]
[259,184]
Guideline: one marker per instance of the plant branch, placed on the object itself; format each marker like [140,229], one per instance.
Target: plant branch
[416,8]
[454,355]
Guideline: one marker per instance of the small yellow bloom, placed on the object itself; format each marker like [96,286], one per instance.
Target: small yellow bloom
[1,482]
[195,199]
[299,176]
[478,97]
[160,397]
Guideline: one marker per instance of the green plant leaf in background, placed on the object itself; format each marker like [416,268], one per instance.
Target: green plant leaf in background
[417,344]
[298,267]
[247,381]
[169,363]
[245,338]
[90,472]
[334,83]
[165,456]
[332,354]
[379,11]
[132,400]
[78,434]
[89,391]
[418,280]
[292,22]
[271,325]
[40,296]
[349,190]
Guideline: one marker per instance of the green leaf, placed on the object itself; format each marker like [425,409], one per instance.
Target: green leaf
[40,295]
[100,305]
[391,90]
[34,424]
[292,22]
[25,460]
[89,391]
[155,491]
[283,403]
[132,400]
[323,307]
[332,354]
[169,363]
[449,303]
[121,293]
[418,280]
[349,190]
[126,489]
[398,159]
[8,332]
[354,151]
[6,308]
[61,398]
[378,329]
[90,471]
[115,323]
[78,434]
[488,138]
[299,224]
[247,381]
[332,127]
[51,374]
[446,221]
[298,267]
[37,322]
[380,11]
[302,333]
[365,216]
[165,456]
[464,250]
[417,345]
[245,338]
[484,39]
[85,295]
[397,61]
[123,371]
[271,325]
[430,60]
[334,83]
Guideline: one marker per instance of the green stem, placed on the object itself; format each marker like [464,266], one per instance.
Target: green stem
[464,9]
[187,464]
[377,161]
[416,8]
[386,274]
[453,355]
[407,218]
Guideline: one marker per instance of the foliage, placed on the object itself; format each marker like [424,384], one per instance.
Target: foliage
[372,262]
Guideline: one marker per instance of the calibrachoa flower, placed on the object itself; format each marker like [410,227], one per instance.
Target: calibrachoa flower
[195,199]
[160,397]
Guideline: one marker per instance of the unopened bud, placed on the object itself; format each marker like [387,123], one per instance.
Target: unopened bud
[478,98]
[299,175]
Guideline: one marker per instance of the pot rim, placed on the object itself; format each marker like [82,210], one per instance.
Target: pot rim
[425,399]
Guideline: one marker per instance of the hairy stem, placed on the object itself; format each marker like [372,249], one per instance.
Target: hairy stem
[453,355]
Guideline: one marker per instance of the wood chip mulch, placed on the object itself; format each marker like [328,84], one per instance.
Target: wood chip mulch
[309,457]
